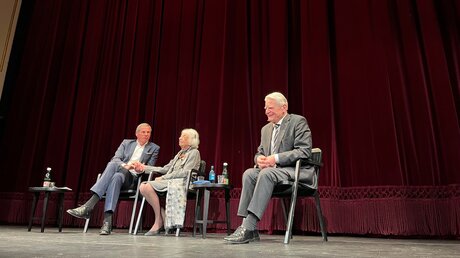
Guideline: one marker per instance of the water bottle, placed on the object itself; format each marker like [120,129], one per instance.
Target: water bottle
[225,173]
[47,179]
[212,175]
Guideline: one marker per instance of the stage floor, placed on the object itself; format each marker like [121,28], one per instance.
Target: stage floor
[16,241]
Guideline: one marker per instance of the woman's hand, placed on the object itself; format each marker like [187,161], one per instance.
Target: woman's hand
[138,167]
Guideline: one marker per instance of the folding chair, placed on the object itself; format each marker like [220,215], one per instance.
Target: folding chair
[132,193]
[292,189]
[200,172]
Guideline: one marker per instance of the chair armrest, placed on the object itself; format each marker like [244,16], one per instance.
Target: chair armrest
[312,162]
[297,172]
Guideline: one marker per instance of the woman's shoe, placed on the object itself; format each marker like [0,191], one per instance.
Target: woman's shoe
[154,232]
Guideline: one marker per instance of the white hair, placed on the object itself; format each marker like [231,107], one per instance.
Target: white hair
[278,97]
[138,128]
[193,137]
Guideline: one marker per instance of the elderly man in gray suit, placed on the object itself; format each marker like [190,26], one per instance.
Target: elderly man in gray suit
[284,140]
[120,173]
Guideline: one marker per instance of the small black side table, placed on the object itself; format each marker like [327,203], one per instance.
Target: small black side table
[206,190]
[47,191]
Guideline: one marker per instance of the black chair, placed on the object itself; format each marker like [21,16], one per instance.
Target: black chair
[190,192]
[131,193]
[292,189]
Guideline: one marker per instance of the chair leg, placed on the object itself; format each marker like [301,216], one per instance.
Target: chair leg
[177,232]
[320,217]
[197,212]
[133,213]
[139,216]
[288,235]
[85,229]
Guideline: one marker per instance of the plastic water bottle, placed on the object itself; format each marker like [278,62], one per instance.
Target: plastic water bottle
[212,175]
[47,179]
[225,173]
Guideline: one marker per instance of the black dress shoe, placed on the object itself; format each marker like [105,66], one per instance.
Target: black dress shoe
[256,236]
[241,236]
[81,212]
[106,228]
[238,232]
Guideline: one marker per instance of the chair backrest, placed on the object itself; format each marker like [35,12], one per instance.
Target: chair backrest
[200,172]
[202,169]
[129,192]
[316,159]
[284,188]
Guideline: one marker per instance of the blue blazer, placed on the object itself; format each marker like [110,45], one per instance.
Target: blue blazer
[126,150]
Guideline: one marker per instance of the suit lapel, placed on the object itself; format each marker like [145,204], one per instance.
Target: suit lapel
[283,127]
[146,150]
[266,141]
[131,147]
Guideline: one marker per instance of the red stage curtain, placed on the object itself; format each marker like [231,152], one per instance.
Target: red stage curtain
[378,81]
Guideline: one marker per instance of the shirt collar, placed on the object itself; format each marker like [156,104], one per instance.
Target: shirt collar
[279,122]
[139,145]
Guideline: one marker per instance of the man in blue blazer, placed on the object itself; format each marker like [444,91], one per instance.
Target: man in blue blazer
[119,174]
[284,140]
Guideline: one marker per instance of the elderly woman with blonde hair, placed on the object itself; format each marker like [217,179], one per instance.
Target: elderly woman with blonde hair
[180,166]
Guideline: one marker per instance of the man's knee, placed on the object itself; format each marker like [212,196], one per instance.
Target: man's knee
[113,166]
[250,173]
[118,178]
[267,173]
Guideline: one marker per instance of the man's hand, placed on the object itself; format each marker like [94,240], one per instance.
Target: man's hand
[265,162]
[261,161]
[270,161]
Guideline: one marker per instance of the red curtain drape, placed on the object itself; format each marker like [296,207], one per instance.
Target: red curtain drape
[378,82]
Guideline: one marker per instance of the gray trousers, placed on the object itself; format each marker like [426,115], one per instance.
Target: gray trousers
[112,180]
[258,188]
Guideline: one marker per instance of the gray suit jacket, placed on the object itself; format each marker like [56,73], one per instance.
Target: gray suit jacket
[293,143]
[126,150]
[191,160]
[176,168]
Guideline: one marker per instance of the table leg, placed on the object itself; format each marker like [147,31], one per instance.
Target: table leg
[60,211]
[227,210]
[207,194]
[45,207]
[34,206]
[197,211]
[200,215]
